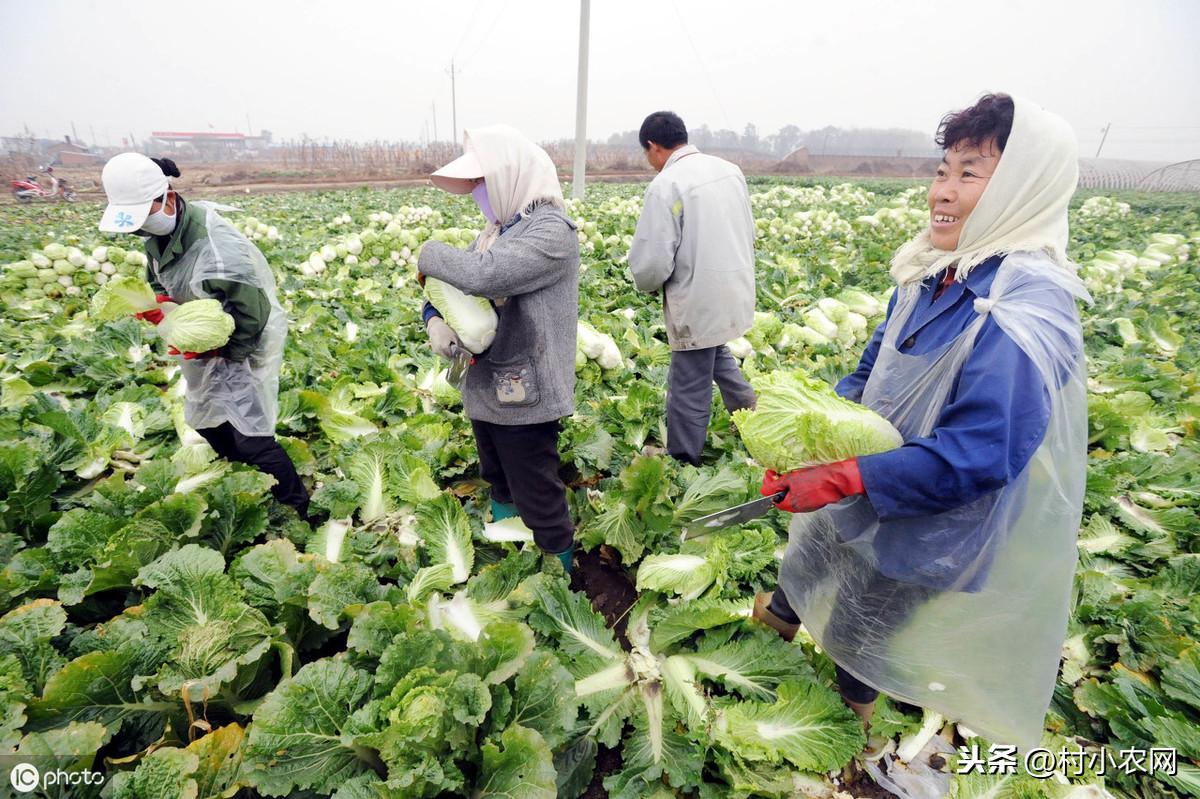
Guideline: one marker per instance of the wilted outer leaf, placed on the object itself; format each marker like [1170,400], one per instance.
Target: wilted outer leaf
[219,771]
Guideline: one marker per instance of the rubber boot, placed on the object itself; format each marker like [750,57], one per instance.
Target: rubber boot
[566,557]
[786,631]
[503,510]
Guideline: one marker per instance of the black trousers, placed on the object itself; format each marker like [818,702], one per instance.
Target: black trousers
[886,602]
[521,463]
[265,453]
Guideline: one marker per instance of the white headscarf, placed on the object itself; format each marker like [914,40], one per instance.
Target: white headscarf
[1024,206]
[517,173]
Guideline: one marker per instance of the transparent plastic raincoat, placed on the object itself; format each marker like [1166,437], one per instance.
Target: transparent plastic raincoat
[976,631]
[243,393]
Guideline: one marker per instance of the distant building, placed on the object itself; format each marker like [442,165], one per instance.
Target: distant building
[51,152]
[211,142]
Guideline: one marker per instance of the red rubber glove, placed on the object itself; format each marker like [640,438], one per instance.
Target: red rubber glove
[191,356]
[814,487]
[154,315]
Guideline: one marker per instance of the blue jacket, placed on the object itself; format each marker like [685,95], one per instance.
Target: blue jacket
[994,419]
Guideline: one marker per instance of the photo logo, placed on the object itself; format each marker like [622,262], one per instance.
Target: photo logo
[24,777]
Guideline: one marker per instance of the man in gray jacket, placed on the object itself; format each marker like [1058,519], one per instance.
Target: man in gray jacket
[695,241]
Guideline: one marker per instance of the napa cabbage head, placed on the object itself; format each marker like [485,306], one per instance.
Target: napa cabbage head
[801,422]
[122,296]
[197,326]
[472,318]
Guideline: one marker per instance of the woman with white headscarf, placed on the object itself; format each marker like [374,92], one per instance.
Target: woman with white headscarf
[526,261]
[940,572]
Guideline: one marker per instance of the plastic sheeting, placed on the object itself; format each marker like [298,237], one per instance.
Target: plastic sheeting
[243,393]
[980,644]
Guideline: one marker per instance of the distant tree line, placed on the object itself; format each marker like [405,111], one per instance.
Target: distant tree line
[829,140]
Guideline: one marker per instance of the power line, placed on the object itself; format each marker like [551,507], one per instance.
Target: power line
[487,33]
[466,29]
[453,101]
[703,68]
[1158,127]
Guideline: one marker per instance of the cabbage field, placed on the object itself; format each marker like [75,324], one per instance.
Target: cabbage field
[164,621]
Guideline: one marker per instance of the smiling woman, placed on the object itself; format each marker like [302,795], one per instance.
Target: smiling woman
[940,571]
[973,141]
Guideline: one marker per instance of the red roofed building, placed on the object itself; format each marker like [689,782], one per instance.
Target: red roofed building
[210,141]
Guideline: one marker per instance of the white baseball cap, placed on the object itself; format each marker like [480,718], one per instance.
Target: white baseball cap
[132,182]
[458,176]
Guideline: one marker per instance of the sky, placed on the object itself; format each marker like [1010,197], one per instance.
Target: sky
[375,69]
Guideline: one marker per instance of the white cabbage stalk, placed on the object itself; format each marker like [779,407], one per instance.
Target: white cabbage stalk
[458,613]
[335,534]
[510,529]
[911,745]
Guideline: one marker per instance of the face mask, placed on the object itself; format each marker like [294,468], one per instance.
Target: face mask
[480,196]
[159,223]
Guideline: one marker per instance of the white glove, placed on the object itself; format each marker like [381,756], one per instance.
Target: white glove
[441,337]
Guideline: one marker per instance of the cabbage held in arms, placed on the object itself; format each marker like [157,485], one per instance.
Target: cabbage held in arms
[197,326]
[472,318]
[801,422]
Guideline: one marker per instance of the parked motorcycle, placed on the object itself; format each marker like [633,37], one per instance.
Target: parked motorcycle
[28,190]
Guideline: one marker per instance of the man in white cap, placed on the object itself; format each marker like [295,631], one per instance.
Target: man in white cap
[231,394]
[526,261]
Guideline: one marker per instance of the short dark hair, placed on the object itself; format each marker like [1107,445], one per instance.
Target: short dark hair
[990,118]
[664,128]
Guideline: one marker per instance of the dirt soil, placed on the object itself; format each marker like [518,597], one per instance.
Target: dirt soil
[226,179]
[600,575]
[608,761]
[861,785]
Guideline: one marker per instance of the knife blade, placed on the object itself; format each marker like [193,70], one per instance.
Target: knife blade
[738,514]
[460,359]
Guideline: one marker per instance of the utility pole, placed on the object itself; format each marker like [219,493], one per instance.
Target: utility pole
[74,135]
[581,103]
[433,107]
[1102,138]
[453,102]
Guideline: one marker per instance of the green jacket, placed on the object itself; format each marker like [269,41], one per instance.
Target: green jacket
[248,305]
